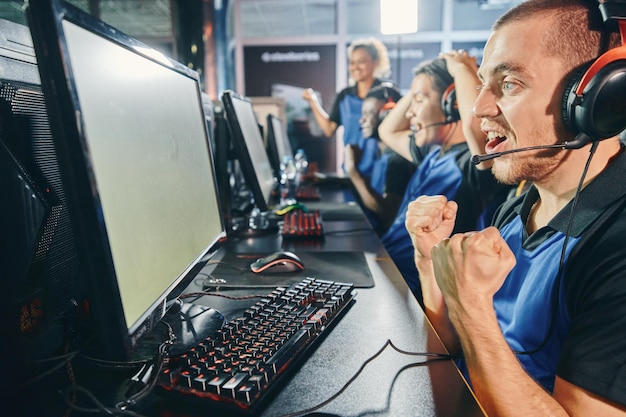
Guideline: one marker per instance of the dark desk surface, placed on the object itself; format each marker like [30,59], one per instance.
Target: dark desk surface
[388,386]
[394,384]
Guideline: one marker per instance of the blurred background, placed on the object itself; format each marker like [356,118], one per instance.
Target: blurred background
[275,48]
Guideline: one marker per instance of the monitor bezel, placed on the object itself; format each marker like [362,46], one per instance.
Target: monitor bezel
[272,138]
[262,201]
[105,305]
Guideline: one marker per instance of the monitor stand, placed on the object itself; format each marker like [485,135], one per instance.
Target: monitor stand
[256,223]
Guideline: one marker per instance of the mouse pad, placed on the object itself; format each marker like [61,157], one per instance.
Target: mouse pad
[233,270]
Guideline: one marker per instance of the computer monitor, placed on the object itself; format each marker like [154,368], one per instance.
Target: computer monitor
[208,108]
[278,145]
[134,155]
[250,148]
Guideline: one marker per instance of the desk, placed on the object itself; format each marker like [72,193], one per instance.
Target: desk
[388,386]
[387,311]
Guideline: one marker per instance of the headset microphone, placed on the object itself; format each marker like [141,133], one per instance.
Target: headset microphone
[579,141]
[414,130]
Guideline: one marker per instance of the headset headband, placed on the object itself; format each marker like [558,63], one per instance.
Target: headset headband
[609,56]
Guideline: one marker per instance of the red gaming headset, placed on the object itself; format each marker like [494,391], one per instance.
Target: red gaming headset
[594,101]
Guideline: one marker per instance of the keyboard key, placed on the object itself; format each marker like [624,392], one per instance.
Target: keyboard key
[247,391]
[230,387]
[214,385]
[288,351]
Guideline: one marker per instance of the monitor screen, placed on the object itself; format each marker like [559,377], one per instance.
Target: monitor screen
[134,150]
[278,145]
[250,147]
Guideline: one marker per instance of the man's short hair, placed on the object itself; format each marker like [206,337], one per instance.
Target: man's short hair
[438,70]
[578,34]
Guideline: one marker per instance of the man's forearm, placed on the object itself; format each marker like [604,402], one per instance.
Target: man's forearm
[434,305]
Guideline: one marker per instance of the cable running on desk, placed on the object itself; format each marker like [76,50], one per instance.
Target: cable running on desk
[388,343]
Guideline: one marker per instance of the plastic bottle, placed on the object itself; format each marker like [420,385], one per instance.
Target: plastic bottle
[302,165]
[288,174]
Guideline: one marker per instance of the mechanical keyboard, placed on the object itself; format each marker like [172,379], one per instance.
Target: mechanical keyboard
[239,367]
[307,192]
[298,224]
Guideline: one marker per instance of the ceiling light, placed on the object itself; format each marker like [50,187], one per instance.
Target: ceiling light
[398,16]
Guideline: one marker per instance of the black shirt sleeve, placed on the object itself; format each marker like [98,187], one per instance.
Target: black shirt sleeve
[399,172]
[594,352]
[479,195]
[418,153]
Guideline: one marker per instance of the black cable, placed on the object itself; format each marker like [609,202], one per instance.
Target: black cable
[70,397]
[560,271]
[230,297]
[428,354]
[393,383]
[122,407]
[17,388]
[77,389]
[113,364]
[103,362]
[155,371]
[220,262]
[63,356]
[99,407]
[437,356]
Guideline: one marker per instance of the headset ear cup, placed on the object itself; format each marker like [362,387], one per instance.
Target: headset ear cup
[449,106]
[385,109]
[569,98]
[597,111]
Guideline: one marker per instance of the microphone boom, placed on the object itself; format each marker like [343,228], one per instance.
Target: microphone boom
[578,142]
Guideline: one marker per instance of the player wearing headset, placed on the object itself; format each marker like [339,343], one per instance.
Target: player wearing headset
[537,304]
[378,174]
[442,137]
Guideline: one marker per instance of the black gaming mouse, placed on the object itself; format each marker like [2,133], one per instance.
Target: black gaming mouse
[277,262]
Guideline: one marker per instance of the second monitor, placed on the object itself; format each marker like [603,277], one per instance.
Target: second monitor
[254,161]
[278,145]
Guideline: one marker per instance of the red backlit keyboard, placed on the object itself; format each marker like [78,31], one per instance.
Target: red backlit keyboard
[249,357]
[307,192]
[299,224]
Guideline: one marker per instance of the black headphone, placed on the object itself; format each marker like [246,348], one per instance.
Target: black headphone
[385,109]
[389,101]
[449,106]
[593,102]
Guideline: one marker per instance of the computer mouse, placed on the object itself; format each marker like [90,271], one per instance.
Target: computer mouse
[276,263]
